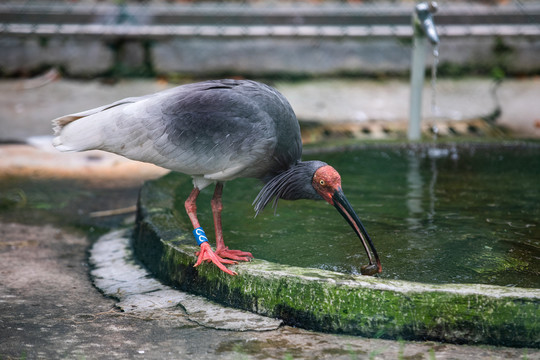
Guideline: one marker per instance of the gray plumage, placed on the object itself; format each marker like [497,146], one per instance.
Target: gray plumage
[213,130]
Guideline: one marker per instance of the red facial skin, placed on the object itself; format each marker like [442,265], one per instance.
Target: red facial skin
[326,181]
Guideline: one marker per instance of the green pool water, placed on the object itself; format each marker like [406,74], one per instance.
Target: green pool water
[453,214]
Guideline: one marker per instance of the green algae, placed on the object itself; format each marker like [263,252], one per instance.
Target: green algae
[330,301]
[436,215]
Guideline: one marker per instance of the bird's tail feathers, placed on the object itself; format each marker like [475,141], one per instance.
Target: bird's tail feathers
[58,126]
[81,131]
[77,132]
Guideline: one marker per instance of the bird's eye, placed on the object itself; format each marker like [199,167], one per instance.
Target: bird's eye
[322,182]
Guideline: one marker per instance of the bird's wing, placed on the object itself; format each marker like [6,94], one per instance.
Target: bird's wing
[206,129]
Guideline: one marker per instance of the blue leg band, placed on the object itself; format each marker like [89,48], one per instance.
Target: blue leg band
[200,236]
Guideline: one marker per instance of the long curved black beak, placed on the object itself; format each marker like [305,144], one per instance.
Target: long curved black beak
[345,209]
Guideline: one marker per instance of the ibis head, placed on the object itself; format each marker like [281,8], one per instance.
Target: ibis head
[327,183]
[318,180]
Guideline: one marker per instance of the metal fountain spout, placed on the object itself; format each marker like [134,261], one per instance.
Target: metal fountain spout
[423,28]
[424,21]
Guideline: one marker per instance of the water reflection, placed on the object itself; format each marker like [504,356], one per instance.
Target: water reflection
[435,215]
[416,186]
[415,194]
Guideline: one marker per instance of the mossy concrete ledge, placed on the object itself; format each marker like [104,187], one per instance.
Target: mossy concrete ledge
[329,301]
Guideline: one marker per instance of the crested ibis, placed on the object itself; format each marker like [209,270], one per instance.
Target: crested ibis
[215,131]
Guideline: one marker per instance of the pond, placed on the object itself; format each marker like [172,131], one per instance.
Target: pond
[447,214]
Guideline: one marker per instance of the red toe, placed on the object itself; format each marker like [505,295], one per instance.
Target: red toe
[206,254]
[237,255]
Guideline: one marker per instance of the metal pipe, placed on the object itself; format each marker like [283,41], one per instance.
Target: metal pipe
[243,21]
[423,29]
[230,31]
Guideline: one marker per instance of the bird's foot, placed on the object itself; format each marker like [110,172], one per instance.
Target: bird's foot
[206,254]
[237,255]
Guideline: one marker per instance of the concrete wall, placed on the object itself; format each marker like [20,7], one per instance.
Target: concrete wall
[206,56]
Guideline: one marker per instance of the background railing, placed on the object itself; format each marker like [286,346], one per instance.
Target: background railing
[327,32]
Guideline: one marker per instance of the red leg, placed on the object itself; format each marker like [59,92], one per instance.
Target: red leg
[222,250]
[191,207]
[206,253]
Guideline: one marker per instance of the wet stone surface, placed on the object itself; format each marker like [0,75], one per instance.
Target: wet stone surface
[49,309]
[118,275]
[328,301]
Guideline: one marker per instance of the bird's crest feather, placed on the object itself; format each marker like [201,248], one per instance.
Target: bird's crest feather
[291,184]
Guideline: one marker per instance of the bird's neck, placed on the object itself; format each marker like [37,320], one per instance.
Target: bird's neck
[292,184]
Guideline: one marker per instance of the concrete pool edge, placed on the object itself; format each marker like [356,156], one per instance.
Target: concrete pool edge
[334,302]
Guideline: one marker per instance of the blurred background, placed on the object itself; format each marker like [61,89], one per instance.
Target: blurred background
[337,61]
[263,38]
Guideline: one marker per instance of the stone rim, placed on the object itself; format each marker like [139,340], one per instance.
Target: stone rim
[329,301]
